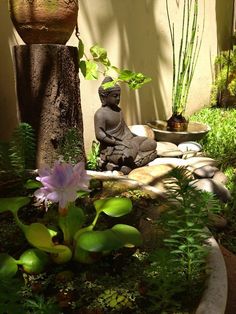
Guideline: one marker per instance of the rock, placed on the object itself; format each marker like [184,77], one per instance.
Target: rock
[197,162]
[190,146]
[190,154]
[217,221]
[167,149]
[214,187]
[205,171]
[152,175]
[220,177]
[142,130]
[174,162]
[166,146]
[170,153]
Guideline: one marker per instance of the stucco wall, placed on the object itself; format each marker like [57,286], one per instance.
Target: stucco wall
[136,36]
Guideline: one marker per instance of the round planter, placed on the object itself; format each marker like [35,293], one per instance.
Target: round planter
[195,132]
[214,298]
[44,21]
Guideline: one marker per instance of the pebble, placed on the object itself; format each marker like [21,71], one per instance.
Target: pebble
[220,177]
[142,130]
[197,162]
[205,171]
[214,187]
[174,162]
[190,146]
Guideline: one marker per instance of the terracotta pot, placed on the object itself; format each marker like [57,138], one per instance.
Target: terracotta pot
[44,21]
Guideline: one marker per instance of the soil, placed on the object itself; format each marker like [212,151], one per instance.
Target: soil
[230,261]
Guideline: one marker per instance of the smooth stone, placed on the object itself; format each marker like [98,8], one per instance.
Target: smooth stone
[170,153]
[220,177]
[191,153]
[197,162]
[173,162]
[214,187]
[142,130]
[164,146]
[217,221]
[190,146]
[205,171]
[152,175]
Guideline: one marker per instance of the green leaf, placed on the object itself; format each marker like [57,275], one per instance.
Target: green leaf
[81,49]
[82,194]
[13,203]
[39,236]
[118,236]
[89,70]
[8,266]
[72,222]
[100,55]
[98,241]
[128,234]
[109,84]
[32,184]
[114,207]
[125,75]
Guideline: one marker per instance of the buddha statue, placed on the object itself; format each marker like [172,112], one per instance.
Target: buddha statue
[120,148]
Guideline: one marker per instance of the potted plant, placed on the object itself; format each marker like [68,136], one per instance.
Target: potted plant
[44,21]
[184,63]
[177,128]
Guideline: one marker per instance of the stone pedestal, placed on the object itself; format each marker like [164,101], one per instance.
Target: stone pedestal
[48,90]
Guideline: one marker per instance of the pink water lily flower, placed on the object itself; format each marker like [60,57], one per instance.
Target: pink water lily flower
[61,183]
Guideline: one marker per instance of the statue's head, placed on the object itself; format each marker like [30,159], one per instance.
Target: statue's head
[106,93]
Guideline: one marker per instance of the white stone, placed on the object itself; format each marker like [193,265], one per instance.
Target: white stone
[175,162]
[190,146]
[142,130]
[197,162]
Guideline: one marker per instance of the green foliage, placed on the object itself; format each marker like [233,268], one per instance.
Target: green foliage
[116,299]
[70,146]
[38,304]
[77,242]
[99,63]
[10,299]
[184,61]
[184,251]
[20,153]
[220,142]
[93,156]
[225,80]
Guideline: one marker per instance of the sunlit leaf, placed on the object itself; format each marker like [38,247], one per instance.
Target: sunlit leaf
[39,236]
[98,241]
[89,69]
[13,203]
[129,235]
[8,266]
[114,207]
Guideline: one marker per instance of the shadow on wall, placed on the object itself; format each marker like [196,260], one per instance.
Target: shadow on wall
[224,20]
[141,45]
[8,109]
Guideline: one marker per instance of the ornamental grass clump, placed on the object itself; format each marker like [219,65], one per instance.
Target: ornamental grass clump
[184,60]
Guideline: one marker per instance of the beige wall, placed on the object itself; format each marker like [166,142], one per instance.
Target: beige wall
[136,36]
